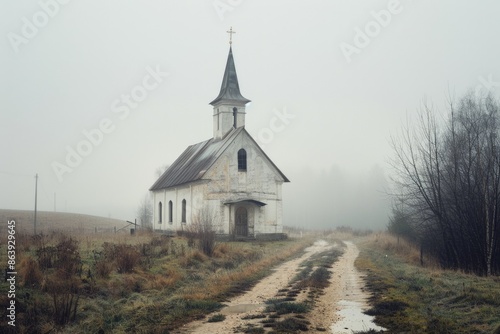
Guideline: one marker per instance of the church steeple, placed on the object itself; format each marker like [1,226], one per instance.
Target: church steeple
[230,89]
[229,105]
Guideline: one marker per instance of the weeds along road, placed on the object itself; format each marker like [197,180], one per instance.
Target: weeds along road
[243,311]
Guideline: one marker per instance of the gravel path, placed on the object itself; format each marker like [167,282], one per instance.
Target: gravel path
[339,310]
[252,302]
[349,298]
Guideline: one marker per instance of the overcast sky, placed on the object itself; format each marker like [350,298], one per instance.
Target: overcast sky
[329,81]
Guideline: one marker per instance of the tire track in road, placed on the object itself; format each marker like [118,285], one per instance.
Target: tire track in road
[253,301]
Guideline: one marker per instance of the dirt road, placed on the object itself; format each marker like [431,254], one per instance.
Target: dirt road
[345,283]
[349,299]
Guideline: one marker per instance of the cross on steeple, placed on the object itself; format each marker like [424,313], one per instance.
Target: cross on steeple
[231,32]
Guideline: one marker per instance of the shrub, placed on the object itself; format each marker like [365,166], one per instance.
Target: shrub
[62,282]
[161,245]
[45,256]
[127,257]
[30,272]
[203,230]
[103,268]
[67,260]
[65,296]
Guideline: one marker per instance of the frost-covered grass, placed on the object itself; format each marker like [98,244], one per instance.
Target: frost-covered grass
[410,298]
[124,284]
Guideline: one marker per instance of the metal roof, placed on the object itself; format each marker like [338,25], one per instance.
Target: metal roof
[249,200]
[230,89]
[194,162]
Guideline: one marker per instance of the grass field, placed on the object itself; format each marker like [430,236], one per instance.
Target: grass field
[410,298]
[80,281]
[59,221]
[87,282]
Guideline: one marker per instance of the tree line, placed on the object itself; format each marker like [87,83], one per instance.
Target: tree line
[447,176]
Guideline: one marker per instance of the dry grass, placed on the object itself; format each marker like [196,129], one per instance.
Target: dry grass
[408,252]
[226,282]
[123,283]
[29,271]
[59,221]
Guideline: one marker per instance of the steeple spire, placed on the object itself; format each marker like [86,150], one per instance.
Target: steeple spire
[229,105]
[230,89]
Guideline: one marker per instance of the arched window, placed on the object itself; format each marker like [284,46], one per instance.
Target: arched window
[170,209]
[242,160]
[183,211]
[160,211]
[235,114]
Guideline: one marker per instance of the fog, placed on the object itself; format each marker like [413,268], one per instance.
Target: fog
[336,197]
[329,81]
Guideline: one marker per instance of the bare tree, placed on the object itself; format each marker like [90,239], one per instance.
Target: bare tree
[162,169]
[204,229]
[145,211]
[449,180]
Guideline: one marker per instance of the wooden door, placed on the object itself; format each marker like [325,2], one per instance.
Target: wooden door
[241,222]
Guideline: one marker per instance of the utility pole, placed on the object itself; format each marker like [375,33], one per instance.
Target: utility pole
[36,186]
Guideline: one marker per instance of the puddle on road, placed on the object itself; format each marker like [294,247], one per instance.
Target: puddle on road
[241,308]
[353,299]
[353,319]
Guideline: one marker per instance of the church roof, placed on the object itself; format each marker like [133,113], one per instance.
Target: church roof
[194,162]
[230,89]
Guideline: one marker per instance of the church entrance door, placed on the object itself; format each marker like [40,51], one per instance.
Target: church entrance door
[241,222]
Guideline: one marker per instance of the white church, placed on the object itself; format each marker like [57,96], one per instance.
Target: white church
[227,176]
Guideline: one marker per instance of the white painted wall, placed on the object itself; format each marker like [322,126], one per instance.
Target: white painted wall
[223,119]
[223,182]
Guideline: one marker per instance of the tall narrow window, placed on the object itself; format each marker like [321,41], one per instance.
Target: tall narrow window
[170,209]
[235,114]
[160,212]
[183,210]
[242,160]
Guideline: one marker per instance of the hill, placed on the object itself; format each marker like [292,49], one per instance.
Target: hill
[59,221]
